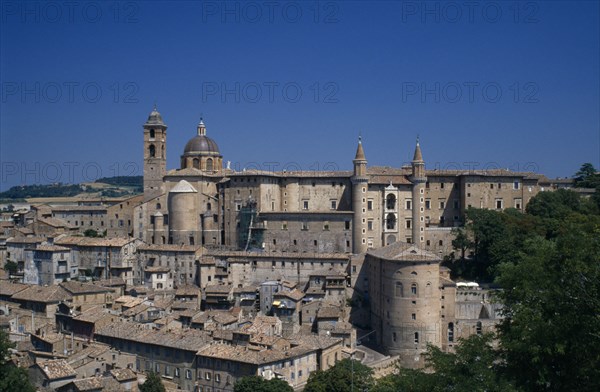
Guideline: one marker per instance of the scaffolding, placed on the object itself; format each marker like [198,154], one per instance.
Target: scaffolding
[251,231]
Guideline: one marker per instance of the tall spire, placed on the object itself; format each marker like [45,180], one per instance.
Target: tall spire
[418,157]
[201,128]
[360,153]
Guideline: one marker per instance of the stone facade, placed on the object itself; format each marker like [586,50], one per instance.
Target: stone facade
[202,203]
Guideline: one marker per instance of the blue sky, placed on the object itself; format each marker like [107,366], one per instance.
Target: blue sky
[292,83]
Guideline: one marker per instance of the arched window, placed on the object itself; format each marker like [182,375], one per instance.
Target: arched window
[399,292]
[152,151]
[196,163]
[152,134]
[209,164]
[390,222]
[413,289]
[208,206]
[450,332]
[158,206]
[390,202]
[428,289]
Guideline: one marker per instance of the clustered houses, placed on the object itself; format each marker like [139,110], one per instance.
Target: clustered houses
[215,274]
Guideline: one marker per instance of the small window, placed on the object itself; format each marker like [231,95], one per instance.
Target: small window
[413,316]
[399,290]
[370,205]
[499,204]
[413,289]
[347,225]
[333,204]
[158,206]
[416,337]
[427,204]
[152,134]
[479,328]
[394,336]
[409,204]
[516,185]
[188,374]
[305,206]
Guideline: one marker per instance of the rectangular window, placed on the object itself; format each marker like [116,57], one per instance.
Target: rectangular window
[456,205]
[188,374]
[305,206]
[370,225]
[442,204]
[441,185]
[370,205]
[333,204]
[518,203]
[516,185]
[409,204]
[347,225]
[499,204]
[427,204]
[304,225]
[408,223]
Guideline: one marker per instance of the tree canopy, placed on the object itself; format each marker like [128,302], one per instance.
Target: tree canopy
[153,383]
[345,375]
[12,378]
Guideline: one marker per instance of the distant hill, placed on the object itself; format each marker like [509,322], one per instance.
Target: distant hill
[103,187]
[137,181]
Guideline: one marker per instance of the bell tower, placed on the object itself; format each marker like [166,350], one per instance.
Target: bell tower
[155,155]
[418,178]
[359,191]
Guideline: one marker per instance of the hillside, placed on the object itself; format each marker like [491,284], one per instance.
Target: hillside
[103,187]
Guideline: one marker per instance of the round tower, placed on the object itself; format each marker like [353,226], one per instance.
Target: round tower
[155,155]
[360,182]
[418,178]
[184,226]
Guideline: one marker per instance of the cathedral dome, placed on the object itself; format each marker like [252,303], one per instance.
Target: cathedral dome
[201,144]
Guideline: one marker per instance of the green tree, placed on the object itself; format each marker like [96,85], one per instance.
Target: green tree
[587,177]
[473,367]
[12,378]
[550,336]
[343,376]
[153,383]
[11,267]
[90,233]
[259,384]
